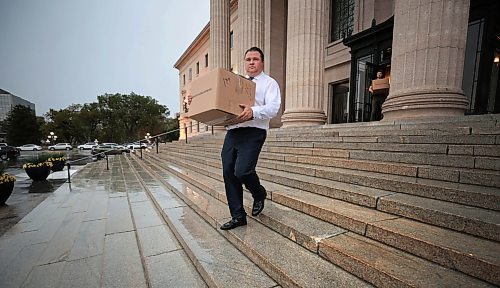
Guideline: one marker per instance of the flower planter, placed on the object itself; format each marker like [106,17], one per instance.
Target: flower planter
[5,191]
[38,173]
[57,165]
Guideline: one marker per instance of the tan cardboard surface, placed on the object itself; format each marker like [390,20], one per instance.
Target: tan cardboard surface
[216,97]
[380,86]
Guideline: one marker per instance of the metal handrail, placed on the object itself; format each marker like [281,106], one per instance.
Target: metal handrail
[68,163]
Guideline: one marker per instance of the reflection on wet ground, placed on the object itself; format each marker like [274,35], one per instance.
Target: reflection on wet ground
[27,194]
[48,186]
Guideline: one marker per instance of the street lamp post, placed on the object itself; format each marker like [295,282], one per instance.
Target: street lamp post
[51,137]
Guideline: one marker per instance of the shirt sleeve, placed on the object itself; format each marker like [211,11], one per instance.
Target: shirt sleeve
[272,102]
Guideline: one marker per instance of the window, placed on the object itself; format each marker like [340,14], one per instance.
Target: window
[342,20]
[231,39]
[183,79]
[190,74]
[197,68]
[206,60]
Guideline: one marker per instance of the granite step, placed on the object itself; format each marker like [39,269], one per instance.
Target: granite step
[485,173]
[206,248]
[429,242]
[471,255]
[387,136]
[280,263]
[456,156]
[472,220]
[384,266]
[165,263]
[479,196]
[478,124]
[298,227]
[191,177]
[428,237]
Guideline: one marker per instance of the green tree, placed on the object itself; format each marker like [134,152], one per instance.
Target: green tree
[172,126]
[130,117]
[65,124]
[22,126]
[89,122]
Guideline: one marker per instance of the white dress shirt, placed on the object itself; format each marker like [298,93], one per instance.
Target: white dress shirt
[267,102]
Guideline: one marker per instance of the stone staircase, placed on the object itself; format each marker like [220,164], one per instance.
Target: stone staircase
[389,204]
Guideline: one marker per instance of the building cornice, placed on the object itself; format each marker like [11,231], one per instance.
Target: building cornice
[201,39]
[197,42]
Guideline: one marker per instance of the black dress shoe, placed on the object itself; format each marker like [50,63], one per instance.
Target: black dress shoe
[258,206]
[233,223]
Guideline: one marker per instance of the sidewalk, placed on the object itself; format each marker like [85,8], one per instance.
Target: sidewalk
[27,194]
[101,230]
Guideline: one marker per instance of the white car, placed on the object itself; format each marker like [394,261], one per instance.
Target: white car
[136,145]
[30,147]
[87,146]
[61,146]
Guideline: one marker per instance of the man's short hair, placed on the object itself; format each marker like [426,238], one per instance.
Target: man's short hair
[257,49]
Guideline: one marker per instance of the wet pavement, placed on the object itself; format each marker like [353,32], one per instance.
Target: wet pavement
[27,194]
[100,230]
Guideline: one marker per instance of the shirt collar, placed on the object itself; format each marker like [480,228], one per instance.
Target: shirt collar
[256,77]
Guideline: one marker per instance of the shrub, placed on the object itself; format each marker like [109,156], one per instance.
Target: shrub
[4,177]
[38,161]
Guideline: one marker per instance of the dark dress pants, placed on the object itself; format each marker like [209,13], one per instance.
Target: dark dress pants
[240,154]
[376,111]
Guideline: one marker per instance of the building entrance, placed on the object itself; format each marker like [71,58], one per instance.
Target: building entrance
[481,81]
[371,53]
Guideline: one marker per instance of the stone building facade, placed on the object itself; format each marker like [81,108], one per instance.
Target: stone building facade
[441,57]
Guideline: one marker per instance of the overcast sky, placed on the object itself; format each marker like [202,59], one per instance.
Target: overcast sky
[58,52]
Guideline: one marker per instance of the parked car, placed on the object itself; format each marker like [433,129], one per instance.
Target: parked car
[9,152]
[61,146]
[109,149]
[87,146]
[30,147]
[136,145]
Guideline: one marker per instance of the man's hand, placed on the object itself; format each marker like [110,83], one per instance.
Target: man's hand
[246,114]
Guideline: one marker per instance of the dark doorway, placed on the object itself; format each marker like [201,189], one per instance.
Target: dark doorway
[371,51]
[481,82]
[340,96]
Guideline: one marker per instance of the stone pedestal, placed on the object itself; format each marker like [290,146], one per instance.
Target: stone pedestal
[427,59]
[305,63]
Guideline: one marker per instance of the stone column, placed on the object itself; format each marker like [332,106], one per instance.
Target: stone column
[220,52]
[251,21]
[427,59]
[305,63]
[275,21]
[219,55]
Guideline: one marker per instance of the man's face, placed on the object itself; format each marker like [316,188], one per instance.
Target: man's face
[253,63]
[379,75]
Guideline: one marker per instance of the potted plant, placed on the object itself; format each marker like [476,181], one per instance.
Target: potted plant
[58,160]
[6,185]
[38,167]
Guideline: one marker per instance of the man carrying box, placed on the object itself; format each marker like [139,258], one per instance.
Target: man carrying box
[379,90]
[244,141]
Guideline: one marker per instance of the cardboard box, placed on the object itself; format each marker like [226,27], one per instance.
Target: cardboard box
[216,96]
[380,86]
